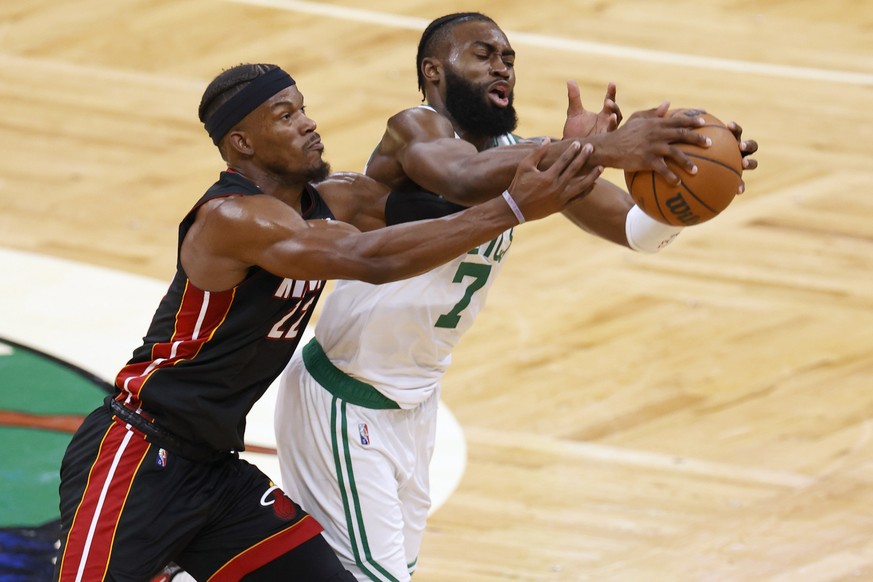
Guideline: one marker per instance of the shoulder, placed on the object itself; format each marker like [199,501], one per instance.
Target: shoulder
[418,122]
[228,231]
[233,214]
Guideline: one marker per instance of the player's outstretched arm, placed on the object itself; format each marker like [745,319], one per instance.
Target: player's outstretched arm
[423,144]
[231,235]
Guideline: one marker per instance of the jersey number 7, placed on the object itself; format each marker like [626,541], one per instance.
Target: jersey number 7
[479,273]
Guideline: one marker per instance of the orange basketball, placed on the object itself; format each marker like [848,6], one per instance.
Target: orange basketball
[700,196]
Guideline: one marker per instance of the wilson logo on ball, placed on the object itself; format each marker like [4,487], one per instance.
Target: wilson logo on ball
[679,208]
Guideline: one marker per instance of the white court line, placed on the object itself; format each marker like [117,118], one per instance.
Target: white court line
[638,458]
[8,62]
[93,317]
[579,46]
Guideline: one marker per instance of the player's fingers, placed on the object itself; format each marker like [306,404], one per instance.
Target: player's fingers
[616,110]
[750,163]
[533,159]
[685,121]
[609,105]
[679,158]
[586,180]
[735,129]
[748,147]
[688,135]
[567,156]
[574,98]
[583,184]
[577,163]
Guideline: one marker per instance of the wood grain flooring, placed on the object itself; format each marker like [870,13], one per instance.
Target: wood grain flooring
[702,414]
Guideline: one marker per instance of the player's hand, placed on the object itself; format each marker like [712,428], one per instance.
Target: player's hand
[747,148]
[583,123]
[539,193]
[647,141]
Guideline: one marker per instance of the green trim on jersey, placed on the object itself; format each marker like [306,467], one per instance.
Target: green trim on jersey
[341,384]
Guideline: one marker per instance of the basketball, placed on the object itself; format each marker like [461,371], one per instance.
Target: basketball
[701,196]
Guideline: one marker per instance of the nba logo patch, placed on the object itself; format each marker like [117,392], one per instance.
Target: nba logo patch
[161,459]
[364,432]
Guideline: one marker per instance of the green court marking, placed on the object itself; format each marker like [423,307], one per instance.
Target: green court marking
[30,457]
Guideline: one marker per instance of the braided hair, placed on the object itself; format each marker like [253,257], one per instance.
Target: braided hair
[438,32]
[230,82]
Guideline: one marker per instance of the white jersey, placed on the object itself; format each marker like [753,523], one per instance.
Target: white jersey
[399,336]
[356,411]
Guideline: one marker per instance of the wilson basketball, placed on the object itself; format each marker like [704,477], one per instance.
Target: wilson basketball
[700,196]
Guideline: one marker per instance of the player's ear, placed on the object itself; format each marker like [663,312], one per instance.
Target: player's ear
[240,142]
[431,69]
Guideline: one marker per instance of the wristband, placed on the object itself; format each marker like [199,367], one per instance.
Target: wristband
[647,235]
[513,206]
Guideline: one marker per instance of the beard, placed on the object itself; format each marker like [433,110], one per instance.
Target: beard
[469,107]
[319,172]
[315,173]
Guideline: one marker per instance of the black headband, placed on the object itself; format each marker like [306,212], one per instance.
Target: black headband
[237,107]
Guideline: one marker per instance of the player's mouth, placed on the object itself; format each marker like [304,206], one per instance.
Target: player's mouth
[315,144]
[498,93]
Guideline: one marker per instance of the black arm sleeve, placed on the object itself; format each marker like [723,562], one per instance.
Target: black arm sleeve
[411,206]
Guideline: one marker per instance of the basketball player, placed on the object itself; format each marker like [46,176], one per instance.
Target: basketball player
[153,476]
[356,412]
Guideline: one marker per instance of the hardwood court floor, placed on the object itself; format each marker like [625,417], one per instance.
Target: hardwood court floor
[703,414]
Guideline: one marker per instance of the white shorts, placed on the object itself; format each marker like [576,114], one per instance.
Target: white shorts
[361,472]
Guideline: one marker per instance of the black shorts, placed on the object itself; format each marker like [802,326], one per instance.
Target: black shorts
[128,507]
